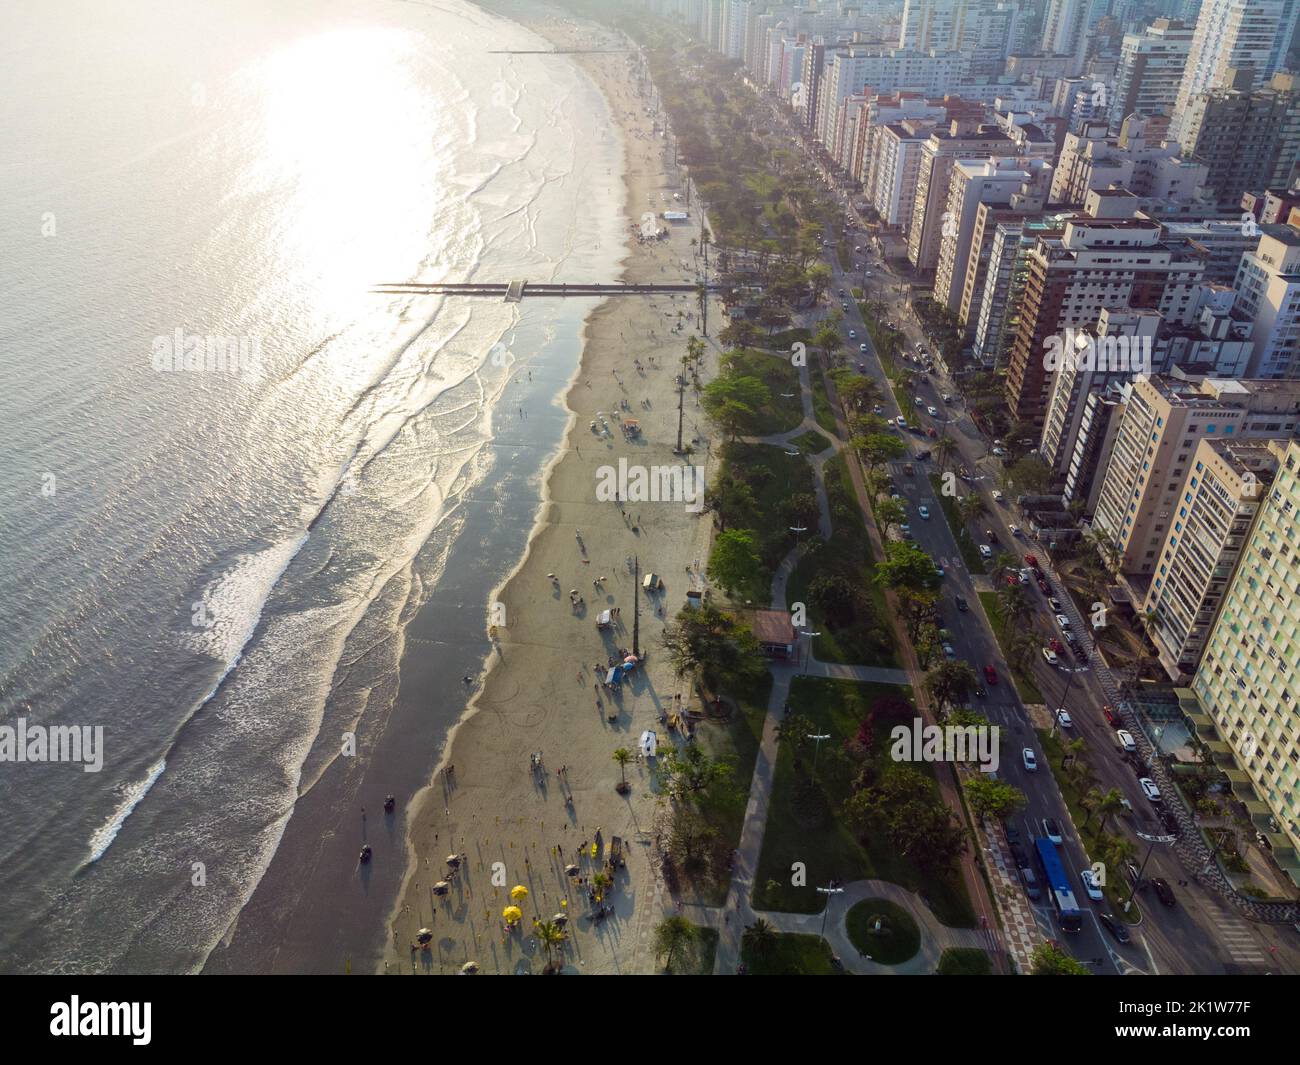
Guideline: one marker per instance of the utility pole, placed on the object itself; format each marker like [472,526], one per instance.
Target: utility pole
[636,606]
[681,399]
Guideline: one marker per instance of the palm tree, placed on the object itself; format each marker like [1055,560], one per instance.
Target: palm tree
[1108,805]
[944,449]
[550,935]
[970,506]
[601,881]
[759,938]
[1073,749]
[1118,851]
[622,756]
[671,936]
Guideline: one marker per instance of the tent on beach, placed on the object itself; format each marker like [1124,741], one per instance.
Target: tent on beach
[649,743]
[604,620]
[613,676]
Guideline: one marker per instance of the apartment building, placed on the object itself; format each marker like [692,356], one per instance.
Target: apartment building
[1164,420]
[1246,687]
[1150,71]
[1225,484]
[1268,294]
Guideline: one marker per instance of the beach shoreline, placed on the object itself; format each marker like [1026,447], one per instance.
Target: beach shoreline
[512,823]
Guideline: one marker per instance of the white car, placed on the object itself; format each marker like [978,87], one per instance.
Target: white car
[1025,576]
[948,652]
[1029,759]
[1090,885]
[1063,621]
[932,412]
[1125,739]
[917,401]
[999,451]
[986,552]
[853,334]
[1063,718]
[901,421]
[862,348]
[1049,656]
[997,495]
[1149,788]
[877,409]
[1052,830]
[924,511]
[1015,530]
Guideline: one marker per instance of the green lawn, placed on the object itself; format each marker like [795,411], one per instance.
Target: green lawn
[869,640]
[777,415]
[697,958]
[965,961]
[898,939]
[1024,683]
[804,824]
[774,477]
[810,443]
[792,954]
[970,552]
[822,409]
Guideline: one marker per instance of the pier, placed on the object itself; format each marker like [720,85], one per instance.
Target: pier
[515,291]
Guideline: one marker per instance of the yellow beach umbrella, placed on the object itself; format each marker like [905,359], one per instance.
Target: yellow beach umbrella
[512,914]
[519,893]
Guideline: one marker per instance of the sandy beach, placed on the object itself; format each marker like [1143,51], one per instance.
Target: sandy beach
[514,824]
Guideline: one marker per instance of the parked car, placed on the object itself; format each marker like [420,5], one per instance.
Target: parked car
[1042,586]
[1163,891]
[1029,759]
[1090,885]
[1056,645]
[998,496]
[1149,788]
[962,605]
[1112,719]
[1031,561]
[1114,926]
[1054,603]
[1125,739]
[990,674]
[1049,656]
[1015,530]
[1032,891]
[999,452]
[986,551]
[1063,718]
[1023,575]
[1063,621]
[1052,830]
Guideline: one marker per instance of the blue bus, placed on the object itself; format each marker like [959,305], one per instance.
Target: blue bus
[1068,914]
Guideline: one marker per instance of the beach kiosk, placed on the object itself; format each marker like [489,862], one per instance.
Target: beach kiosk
[614,676]
[649,743]
[604,620]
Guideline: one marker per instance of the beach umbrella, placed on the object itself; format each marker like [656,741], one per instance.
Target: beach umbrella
[453,860]
[424,935]
[441,887]
[573,591]
[519,893]
[561,919]
[512,914]
[571,870]
[469,968]
[552,576]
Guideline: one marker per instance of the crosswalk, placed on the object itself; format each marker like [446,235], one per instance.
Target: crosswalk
[1240,942]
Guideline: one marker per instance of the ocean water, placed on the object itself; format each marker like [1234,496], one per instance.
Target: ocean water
[216,559]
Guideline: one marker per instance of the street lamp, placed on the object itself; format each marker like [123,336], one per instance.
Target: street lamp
[797,529]
[816,751]
[828,891]
[1069,680]
[1152,840]
[808,653]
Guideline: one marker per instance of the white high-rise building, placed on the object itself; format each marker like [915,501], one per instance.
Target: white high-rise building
[1234,35]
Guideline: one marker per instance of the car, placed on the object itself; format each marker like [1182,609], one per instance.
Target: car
[1063,621]
[1052,830]
[999,451]
[979,691]
[923,454]
[939,571]
[1112,719]
[990,536]
[990,674]
[1049,656]
[901,421]
[1024,576]
[930,432]
[932,411]
[1042,586]
[905,530]
[843,294]
[1090,885]
[1012,579]
[1054,603]
[946,398]
[1114,927]
[1063,718]
[948,652]
[853,334]
[986,551]
[1029,759]
[1056,646]
[917,400]
[924,511]
[1149,788]
[1031,561]
[1015,530]
[877,409]
[857,249]
[1013,834]
[962,605]
[1032,891]
[998,497]
[1163,891]
[1125,739]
